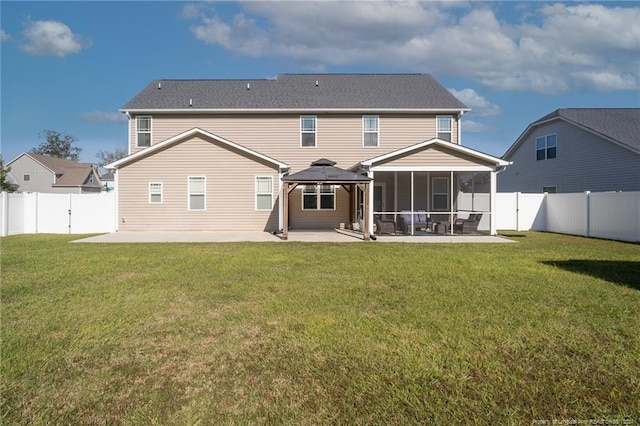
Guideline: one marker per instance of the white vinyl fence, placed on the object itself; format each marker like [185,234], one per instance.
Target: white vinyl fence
[35,213]
[611,215]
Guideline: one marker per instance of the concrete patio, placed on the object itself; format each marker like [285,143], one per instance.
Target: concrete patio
[294,236]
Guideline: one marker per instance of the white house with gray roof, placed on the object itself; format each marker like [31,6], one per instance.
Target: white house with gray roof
[576,150]
[217,154]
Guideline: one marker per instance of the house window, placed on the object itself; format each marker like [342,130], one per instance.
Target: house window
[546,147]
[549,189]
[318,197]
[143,131]
[440,194]
[264,192]
[155,192]
[26,177]
[370,131]
[197,191]
[444,127]
[308,131]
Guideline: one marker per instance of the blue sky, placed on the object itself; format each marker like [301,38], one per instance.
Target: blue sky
[70,66]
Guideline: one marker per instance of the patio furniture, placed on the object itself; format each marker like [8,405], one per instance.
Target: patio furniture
[385,226]
[467,226]
[420,220]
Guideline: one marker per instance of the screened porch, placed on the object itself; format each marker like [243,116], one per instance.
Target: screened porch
[431,202]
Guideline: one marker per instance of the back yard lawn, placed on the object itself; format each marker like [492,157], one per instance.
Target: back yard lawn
[310,333]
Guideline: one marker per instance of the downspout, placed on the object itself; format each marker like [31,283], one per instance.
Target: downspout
[128,132]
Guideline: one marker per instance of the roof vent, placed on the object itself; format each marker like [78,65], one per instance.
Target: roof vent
[159,85]
[317,83]
[248,86]
[190,102]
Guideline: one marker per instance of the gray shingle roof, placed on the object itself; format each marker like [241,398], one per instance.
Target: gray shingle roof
[620,124]
[299,91]
[70,173]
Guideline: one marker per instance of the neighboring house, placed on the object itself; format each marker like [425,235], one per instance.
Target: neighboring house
[108,181]
[39,173]
[236,154]
[576,150]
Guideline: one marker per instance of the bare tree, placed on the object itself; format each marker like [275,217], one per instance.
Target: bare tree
[106,157]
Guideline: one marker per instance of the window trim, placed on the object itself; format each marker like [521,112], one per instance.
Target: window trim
[145,131]
[365,132]
[546,148]
[151,193]
[270,193]
[314,132]
[450,131]
[189,193]
[318,195]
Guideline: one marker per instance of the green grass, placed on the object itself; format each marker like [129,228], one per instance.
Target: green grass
[306,333]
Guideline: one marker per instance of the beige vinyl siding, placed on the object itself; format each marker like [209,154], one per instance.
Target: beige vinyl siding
[230,190]
[433,156]
[339,136]
[317,219]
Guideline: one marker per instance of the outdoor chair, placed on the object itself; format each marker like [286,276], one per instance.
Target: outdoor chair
[420,220]
[385,226]
[467,226]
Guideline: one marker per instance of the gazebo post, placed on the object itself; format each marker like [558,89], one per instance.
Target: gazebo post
[285,212]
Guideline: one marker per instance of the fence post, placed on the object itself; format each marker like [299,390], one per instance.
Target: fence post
[588,212]
[4,215]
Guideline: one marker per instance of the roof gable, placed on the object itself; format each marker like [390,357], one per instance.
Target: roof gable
[187,135]
[299,92]
[471,153]
[617,125]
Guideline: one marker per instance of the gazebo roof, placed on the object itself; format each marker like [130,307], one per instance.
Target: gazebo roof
[324,171]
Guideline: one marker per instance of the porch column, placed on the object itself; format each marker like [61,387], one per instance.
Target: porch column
[285,211]
[492,204]
[368,206]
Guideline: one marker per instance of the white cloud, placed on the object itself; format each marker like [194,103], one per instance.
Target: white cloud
[470,126]
[479,105]
[104,117]
[51,38]
[553,48]
[4,36]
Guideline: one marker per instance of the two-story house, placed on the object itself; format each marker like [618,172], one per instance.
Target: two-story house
[238,154]
[41,173]
[576,150]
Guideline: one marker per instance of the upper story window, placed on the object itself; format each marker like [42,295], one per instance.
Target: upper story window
[143,131]
[264,192]
[308,131]
[318,197]
[546,147]
[444,127]
[370,130]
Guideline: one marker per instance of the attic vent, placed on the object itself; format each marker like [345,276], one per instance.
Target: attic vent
[159,86]
[190,102]
[248,86]
[317,83]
